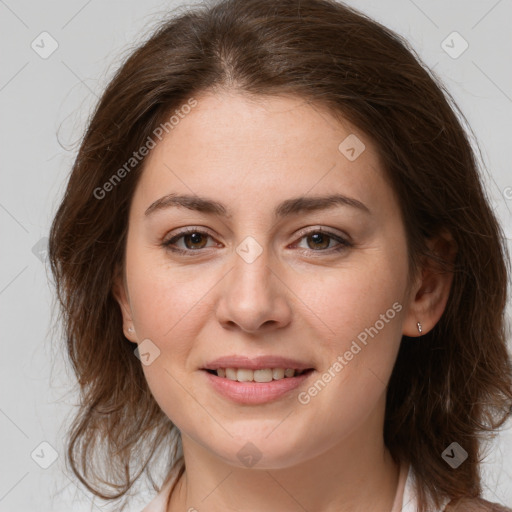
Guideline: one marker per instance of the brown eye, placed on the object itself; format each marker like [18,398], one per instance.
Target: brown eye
[319,241]
[189,241]
[197,240]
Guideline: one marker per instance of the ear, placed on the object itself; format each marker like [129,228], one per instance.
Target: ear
[120,292]
[431,288]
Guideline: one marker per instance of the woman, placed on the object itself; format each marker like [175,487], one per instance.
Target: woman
[277,207]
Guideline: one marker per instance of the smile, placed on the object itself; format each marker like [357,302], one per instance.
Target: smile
[261,375]
[254,387]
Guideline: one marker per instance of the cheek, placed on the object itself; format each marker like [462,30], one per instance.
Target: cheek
[358,314]
[163,299]
[355,297]
[165,303]
[359,324]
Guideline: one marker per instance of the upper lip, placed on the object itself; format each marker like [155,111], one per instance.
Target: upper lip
[256,363]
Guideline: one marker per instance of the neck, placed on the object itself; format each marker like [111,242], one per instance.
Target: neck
[358,474]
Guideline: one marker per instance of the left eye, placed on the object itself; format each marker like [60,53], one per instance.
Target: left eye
[194,240]
[321,240]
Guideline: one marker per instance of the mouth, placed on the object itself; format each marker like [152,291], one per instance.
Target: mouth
[256,380]
[256,386]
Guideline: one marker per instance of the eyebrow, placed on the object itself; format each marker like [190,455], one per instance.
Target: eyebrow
[287,208]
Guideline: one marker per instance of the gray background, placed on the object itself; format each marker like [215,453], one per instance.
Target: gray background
[45,103]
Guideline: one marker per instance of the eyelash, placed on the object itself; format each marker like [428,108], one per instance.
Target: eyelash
[343,243]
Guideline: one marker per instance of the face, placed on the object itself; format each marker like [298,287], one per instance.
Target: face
[261,275]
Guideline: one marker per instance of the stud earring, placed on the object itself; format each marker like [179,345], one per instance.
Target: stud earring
[130,329]
[419,327]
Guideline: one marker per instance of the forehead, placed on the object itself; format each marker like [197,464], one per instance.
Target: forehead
[235,122]
[250,150]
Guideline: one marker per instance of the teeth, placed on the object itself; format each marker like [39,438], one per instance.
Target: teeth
[263,375]
[278,373]
[244,375]
[230,373]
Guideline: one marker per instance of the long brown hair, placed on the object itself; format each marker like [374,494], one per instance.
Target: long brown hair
[453,385]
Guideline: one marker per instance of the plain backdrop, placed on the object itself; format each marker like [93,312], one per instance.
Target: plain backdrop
[57,56]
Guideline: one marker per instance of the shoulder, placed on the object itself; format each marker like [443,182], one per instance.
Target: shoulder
[474,505]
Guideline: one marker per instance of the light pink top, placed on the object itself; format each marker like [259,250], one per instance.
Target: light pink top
[405,497]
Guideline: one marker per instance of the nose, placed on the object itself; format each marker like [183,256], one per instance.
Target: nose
[254,297]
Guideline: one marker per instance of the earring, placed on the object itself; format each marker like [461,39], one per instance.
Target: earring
[130,329]
[419,327]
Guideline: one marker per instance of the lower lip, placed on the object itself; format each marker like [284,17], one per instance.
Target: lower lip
[254,393]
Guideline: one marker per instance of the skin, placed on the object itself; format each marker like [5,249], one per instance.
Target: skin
[298,299]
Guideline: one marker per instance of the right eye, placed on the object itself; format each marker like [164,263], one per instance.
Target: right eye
[193,240]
